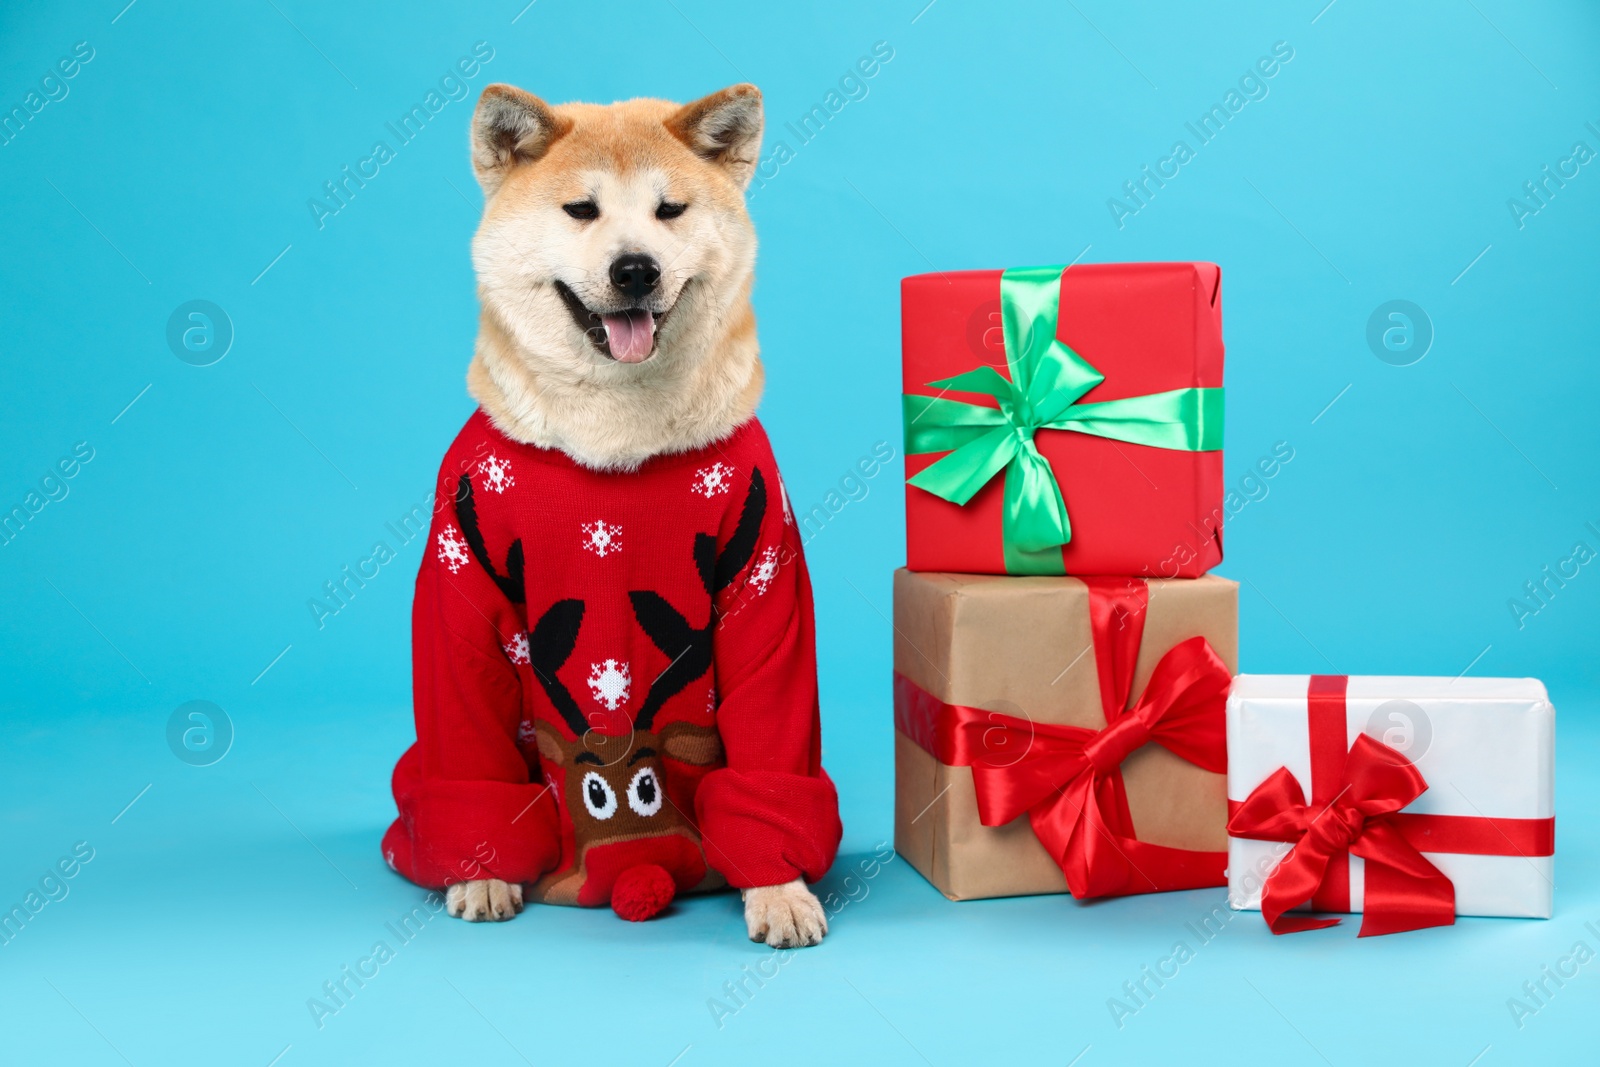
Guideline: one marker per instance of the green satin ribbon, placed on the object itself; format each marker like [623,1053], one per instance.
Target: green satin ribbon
[1047,381]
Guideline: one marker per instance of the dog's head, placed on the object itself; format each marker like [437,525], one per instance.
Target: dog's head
[614,234]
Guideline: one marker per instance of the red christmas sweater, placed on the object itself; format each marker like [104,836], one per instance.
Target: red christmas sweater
[612,671]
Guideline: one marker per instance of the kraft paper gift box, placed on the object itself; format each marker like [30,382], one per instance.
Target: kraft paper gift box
[1411,800]
[1064,420]
[1009,781]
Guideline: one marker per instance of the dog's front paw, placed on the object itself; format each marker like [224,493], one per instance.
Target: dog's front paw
[785,916]
[483,900]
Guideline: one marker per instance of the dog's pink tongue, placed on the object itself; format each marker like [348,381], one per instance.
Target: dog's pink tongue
[631,334]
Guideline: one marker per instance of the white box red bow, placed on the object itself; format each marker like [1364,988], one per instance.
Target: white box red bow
[1411,800]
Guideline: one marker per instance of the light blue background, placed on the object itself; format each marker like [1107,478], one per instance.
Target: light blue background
[179,566]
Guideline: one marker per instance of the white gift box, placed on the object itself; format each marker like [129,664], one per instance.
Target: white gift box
[1485,746]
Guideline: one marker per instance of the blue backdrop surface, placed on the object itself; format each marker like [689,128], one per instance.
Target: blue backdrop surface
[1405,210]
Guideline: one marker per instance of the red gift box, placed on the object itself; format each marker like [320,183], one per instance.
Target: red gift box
[1151,331]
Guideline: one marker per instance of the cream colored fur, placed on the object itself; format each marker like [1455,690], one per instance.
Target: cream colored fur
[483,899]
[533,371]
[785,916]
[542,381]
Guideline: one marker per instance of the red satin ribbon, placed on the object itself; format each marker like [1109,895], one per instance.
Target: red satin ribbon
[1068,778]
[1356,797]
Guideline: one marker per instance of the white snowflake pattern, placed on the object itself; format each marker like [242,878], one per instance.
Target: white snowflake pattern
[610,682]
[525,732]
[516,649]
[496,474]
[713,480]
[765,570]
[711,700]
[452,550]
[602,538]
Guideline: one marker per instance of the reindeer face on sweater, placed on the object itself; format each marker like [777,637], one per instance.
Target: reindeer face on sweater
[615,787]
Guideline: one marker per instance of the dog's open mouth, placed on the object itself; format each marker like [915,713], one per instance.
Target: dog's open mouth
[627,336]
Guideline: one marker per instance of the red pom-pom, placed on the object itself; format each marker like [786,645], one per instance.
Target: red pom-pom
[641,892]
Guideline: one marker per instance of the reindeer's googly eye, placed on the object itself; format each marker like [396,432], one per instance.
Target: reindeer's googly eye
[599,797]
[644,792]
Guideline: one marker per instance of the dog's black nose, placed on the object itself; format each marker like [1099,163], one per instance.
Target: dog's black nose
[635,274]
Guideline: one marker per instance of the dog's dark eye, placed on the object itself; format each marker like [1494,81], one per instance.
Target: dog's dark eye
[582,209]
[669,210]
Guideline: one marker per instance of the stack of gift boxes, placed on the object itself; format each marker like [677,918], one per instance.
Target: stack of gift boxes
[1067,716]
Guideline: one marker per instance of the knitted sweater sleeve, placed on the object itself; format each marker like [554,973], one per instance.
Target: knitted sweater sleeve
[469,807]
[772,814]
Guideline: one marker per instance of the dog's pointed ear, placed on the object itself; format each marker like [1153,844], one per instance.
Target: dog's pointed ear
[724,128]
[510,127]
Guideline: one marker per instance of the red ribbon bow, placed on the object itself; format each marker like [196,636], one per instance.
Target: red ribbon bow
[1068,778]
[1403,890]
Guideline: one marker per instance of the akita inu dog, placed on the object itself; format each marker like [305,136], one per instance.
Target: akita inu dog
[615,671]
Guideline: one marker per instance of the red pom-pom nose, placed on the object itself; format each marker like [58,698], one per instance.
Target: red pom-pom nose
[641,892]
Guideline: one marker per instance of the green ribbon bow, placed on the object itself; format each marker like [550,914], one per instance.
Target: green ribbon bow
[1047,381]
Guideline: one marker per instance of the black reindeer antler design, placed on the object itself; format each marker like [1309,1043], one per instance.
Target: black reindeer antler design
[551,639]
[510,583]
[550,642]
[690,647]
